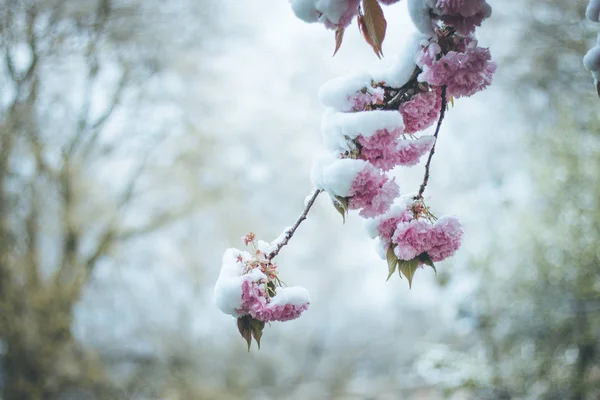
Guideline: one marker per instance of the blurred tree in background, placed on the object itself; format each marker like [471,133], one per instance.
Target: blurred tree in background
[97,153]
[537,310]
[86,124]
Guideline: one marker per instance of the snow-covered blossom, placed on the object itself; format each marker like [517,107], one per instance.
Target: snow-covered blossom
[412,238]
[380,149]
[339,128]
[372,192]
[421,111]
[385,226]
[592,12]
[447,236]
[401,70]
[365,98]
[254,295]
[410,151]
[332,13]
[363,186]
[463,72]
[463,15]
[428,53]
[335,176]
[289,303]
[249,285]
[338,93]
[421,16]
[413,232]
[385,149]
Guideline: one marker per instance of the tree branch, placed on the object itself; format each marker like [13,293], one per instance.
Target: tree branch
[96,126]
[84,125]
[290,233]
[156,223]
[437,131]
[31,223]
[101,249]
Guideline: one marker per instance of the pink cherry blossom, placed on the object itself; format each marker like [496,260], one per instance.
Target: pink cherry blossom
[428,54]
[384,150]
[421,111]
[412,238]
[446,238]
[258,305]
[254,297]
[380,148]
[387,226]
[463,15]
[463,73]
[410,151]
[346,9]
[372,192]
[280,312]
[365,98]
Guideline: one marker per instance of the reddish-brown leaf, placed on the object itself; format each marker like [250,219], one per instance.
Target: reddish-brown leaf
[243,324]
[339,36]
[373,25]
[362,27]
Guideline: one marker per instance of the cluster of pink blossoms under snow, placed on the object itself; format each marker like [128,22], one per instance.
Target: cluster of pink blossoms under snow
[374,123]
[464,70]
[364,144]
[411,232]
[248,285]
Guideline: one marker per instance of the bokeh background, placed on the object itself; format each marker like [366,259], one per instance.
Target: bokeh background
[139,139]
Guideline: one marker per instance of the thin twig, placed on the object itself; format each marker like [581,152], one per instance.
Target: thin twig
[400,96]
[290,232]
[437,131]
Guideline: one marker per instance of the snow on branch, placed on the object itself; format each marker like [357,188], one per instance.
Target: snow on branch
[373,124]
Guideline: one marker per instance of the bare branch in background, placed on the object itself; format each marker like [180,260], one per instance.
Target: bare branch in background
[96,126]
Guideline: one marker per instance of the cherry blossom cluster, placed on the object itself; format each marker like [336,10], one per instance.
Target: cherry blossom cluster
[249,288]
[374,122]
[410,236]
[460,65]
[371,127]
[591,60]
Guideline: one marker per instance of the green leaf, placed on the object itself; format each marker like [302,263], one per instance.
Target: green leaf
[392,261]
[425,259]
[408,268]
[341,205]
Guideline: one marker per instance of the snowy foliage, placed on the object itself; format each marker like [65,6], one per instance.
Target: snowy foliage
[249,288]
[374,123]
